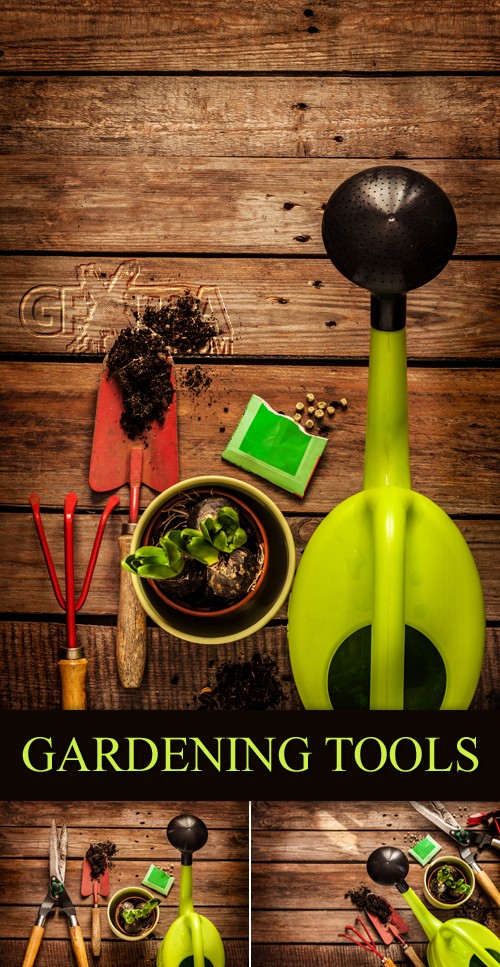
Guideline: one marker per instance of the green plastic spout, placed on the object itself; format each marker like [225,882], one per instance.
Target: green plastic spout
[426,919]
[186,890]
[387,449]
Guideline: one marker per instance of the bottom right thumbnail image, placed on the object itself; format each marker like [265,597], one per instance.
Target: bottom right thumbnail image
[348,884]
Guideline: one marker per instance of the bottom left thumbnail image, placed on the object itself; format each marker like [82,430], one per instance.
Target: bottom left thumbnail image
[124,884]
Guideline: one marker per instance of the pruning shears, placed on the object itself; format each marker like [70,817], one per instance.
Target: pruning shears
[57,896]
[469,841]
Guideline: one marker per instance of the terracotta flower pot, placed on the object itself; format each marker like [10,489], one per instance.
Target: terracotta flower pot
[460,866]
[249,521]
[138,895]
[264,597]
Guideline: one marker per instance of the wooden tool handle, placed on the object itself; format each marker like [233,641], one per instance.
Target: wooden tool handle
[413,956]
[33,946]
[73,673]
[96,931]
[388,962]
[78,946]
[131,632]
[488,886]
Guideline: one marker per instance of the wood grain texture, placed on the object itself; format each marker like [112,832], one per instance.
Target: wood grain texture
[219,885]
[302,955]
[234,116]
[119,36]
[175,671]
[136,815]
[57,953]
[34,593]
[231,923]
[277,307]
[387,816]
[222,205]
[48,411]
[308,855]
[137,843]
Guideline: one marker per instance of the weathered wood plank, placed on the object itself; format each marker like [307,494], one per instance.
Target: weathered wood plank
[175,671]
[277,856]
[17,842]
[208,205]
[313,927]
[135,815]
[220,884]
[301,307]
[32,592]
[128,36]
[17,922]
[303,955]
[58,953]
[49,408]
[232,116]
[360,817]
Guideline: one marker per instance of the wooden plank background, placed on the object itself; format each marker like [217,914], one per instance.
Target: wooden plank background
[152,146]
[220,877]
[307,855]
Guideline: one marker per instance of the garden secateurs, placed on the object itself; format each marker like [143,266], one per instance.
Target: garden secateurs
[57,896]
[468,841]
[72,662]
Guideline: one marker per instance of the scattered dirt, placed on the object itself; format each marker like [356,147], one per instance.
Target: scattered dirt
[364,899]
[138,360]
[475,909]
[100,856]
[245,684]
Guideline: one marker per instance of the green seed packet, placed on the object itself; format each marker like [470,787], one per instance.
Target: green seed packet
[158,880]
[274,447]
[424,850]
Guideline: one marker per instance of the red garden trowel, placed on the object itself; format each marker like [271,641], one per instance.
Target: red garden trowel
[116,460]
[98,886]
[394,929]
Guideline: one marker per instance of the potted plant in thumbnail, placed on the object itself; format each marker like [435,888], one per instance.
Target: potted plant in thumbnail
[133,913]
[448,882]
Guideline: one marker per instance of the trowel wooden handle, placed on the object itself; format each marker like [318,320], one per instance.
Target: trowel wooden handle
[388,962]
[73,673]
[33,946]
[488,886]
[96,931]
[131,632]
[413,956]
[78,946]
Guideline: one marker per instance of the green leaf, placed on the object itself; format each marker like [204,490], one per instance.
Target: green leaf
[159,563]
[201,550]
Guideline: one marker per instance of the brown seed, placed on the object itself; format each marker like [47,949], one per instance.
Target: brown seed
[330,410]
[310,397]
[299,407]
[309,424]
[310,410]
[319,414]
[321,406]
[297,417]
[343,402]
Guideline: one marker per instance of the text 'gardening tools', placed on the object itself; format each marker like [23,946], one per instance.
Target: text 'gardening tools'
[192,940]
[72,663]
[401,625]
[117,460]
[56,897]
[467,841]
[456,943]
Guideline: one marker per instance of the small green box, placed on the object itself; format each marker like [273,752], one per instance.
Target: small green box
[424,851]
[158,880]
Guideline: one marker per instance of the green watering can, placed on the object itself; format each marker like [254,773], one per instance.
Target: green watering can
[455,943]
[386,610]
[192,940]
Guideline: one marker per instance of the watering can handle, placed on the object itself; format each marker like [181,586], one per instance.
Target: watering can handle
[197,940]
[453,927]
[488,886]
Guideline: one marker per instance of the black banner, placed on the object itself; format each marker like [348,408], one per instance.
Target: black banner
[248,755]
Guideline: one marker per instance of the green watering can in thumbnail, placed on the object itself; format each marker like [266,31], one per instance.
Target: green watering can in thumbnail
[455,943]
[192,940]
[386,610]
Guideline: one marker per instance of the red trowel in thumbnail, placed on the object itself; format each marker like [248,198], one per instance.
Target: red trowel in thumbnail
[117,460]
